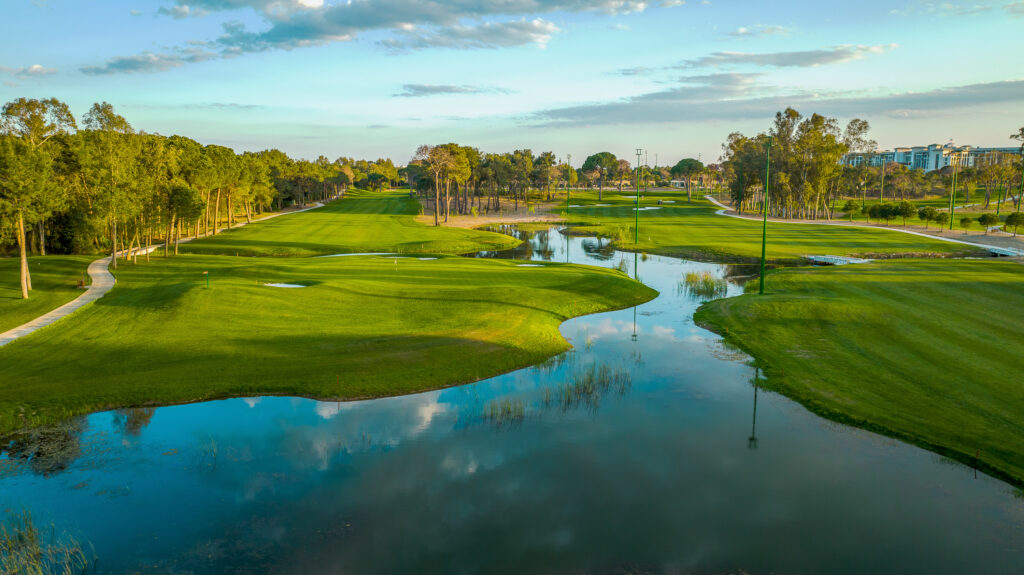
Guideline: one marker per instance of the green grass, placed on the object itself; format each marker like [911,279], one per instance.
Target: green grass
[928,351]
[54,283]
[360,222]
[694,231]
[365,327]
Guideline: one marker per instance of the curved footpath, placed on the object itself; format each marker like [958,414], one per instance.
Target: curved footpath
[102,282]
[725,208]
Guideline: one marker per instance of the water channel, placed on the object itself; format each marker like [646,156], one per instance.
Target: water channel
[648,448]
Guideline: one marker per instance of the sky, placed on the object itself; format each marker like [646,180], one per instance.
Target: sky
[377,78]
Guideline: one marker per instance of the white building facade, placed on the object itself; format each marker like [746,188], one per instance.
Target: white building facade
[928,158]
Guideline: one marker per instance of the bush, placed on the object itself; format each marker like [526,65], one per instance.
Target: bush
[965,222]
[927,214]
[988,220]
[851,207]
[1014,220]
[941,218]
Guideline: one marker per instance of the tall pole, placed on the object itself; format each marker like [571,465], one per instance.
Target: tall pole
[764,222]
[1021,196]
[636,225]
[952,195]
[568,183]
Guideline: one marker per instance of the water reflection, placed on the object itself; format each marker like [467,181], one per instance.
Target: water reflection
[625,454]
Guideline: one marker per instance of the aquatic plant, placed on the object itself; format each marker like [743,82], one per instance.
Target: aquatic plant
[27,551]
[703,285]
[505,411]
[588,387]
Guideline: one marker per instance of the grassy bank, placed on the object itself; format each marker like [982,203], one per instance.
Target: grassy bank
[366,326]
[694,231]
[54,283]
[928,351]
[360,222]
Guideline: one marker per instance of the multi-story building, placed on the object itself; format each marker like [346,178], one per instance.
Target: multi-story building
[928,158]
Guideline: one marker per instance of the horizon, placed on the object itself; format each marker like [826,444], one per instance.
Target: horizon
[377,79]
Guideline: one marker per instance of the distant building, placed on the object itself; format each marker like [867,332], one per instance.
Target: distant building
[927,158]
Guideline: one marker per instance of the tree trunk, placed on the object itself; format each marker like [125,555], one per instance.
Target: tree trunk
[437,201]
[42,238]
[231,210]
[216,213]
[167,238]
[248,214]
[177,236]
[113,253]
[25,285]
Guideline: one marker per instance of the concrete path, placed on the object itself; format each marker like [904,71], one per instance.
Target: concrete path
[102,282]
[1005,251]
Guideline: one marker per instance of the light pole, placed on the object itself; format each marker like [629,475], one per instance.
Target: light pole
[568,183]
[636,225]
[764,222]
[952,195]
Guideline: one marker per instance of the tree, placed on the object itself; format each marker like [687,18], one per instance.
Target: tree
[108,162]
[965,222]
[987,220]
[1014,220]
[851,207]
[604,163]
[30,197]
[927,214]
[906,210]
[942,218]
[686,169]
[26,191]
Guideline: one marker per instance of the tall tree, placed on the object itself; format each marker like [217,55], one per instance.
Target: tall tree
[605,163]
[34,123]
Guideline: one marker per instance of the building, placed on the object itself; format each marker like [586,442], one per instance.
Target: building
[928,158]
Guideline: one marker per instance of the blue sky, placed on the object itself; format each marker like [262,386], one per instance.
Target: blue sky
[372,78]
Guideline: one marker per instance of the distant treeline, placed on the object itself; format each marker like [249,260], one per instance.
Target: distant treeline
[807,179]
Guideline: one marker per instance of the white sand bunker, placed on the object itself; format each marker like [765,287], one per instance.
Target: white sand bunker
[575,206]
[425,259]
[668,201]
[647,208]
[529,265]
[280,285]
[602,205]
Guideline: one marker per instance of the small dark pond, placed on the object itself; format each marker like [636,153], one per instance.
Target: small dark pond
[646,449]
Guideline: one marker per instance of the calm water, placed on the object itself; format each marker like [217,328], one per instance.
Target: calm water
[648,448]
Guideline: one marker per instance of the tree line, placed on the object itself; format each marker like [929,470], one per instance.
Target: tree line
[807,177]
[99,185]
[466,180]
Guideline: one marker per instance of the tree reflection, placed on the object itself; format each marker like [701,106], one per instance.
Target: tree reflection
[133,420]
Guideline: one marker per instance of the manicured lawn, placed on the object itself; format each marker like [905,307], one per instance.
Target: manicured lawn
[366,326]
[931,351]
[694,231]
[360,222]
[54,283]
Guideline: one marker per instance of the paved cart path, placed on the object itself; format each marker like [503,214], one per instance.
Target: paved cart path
[102,282]
[725,209]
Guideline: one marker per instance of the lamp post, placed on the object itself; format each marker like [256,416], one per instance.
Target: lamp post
[952,195]
[636,224]
[568,183]
[764,222]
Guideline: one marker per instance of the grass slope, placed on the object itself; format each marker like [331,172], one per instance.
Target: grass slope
[360,222]
[54,283]
[365,327]
[694,231]
[929,351]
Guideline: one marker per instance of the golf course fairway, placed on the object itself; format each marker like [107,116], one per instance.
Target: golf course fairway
[930,351]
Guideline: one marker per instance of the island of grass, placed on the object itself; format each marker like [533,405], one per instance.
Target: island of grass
[928,351]
[364,326]
[694,231]
[361,222]
[54,283]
